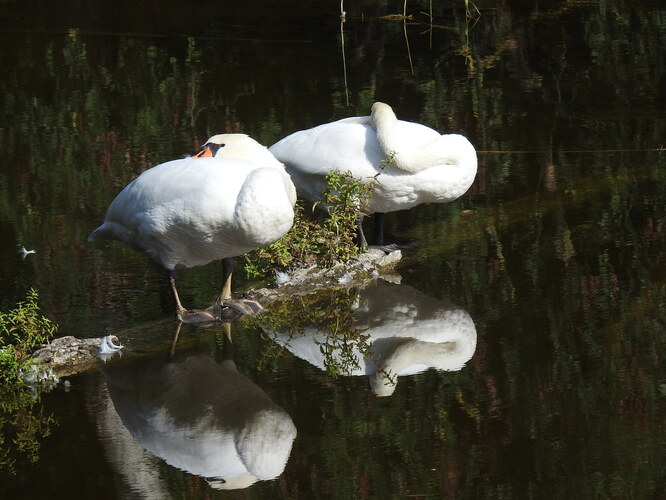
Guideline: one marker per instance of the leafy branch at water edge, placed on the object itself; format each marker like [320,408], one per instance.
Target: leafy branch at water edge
[324,238]
[22,423]
[21,330]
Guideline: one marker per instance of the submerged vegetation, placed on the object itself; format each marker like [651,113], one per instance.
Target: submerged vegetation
[22,421]
[323,238]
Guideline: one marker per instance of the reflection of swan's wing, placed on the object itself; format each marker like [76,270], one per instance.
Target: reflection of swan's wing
[400,310]
[140,476]
[307,347]
[206,419]
[449,341]
[264,443]
[408,331]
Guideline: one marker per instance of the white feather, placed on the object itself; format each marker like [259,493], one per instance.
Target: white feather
[24,253]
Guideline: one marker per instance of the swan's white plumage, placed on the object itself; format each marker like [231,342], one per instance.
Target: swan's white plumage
[192,211]
[426,167]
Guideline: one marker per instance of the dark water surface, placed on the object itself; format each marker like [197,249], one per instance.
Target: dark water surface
[532,310]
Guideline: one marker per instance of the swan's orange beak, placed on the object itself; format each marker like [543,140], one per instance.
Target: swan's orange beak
[204,153]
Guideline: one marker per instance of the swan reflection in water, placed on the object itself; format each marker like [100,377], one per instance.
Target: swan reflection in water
[204,418]
[407,332]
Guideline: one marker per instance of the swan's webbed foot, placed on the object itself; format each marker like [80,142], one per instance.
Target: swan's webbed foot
[227,310]
[245,307]
[201,317]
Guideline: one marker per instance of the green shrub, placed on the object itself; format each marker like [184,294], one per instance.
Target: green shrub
[322,238]
[21,330]
[22,421]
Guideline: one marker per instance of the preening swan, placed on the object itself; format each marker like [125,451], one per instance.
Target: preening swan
[230,199]
[408,163]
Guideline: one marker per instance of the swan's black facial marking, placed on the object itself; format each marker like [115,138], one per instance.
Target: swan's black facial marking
[214,148]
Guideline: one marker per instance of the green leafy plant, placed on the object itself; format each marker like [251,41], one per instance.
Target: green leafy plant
[21,330]
[324,238]
[22,422]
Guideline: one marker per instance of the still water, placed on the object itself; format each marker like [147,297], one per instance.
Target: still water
[523,337]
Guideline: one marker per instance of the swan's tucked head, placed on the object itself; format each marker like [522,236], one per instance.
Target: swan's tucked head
[413,148]
[381,112]
[384,121]
[380,107]
[238,146]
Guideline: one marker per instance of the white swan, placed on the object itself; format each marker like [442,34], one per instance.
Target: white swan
[408,163]
[189,212]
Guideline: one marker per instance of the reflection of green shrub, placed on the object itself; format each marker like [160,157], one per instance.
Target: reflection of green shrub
[325,240]
[21,330]
[330,313]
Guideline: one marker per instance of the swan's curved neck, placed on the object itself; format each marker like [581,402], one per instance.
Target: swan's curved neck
[384,121]
[408,156]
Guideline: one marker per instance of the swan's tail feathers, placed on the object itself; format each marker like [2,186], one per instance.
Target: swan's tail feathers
[106,231]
